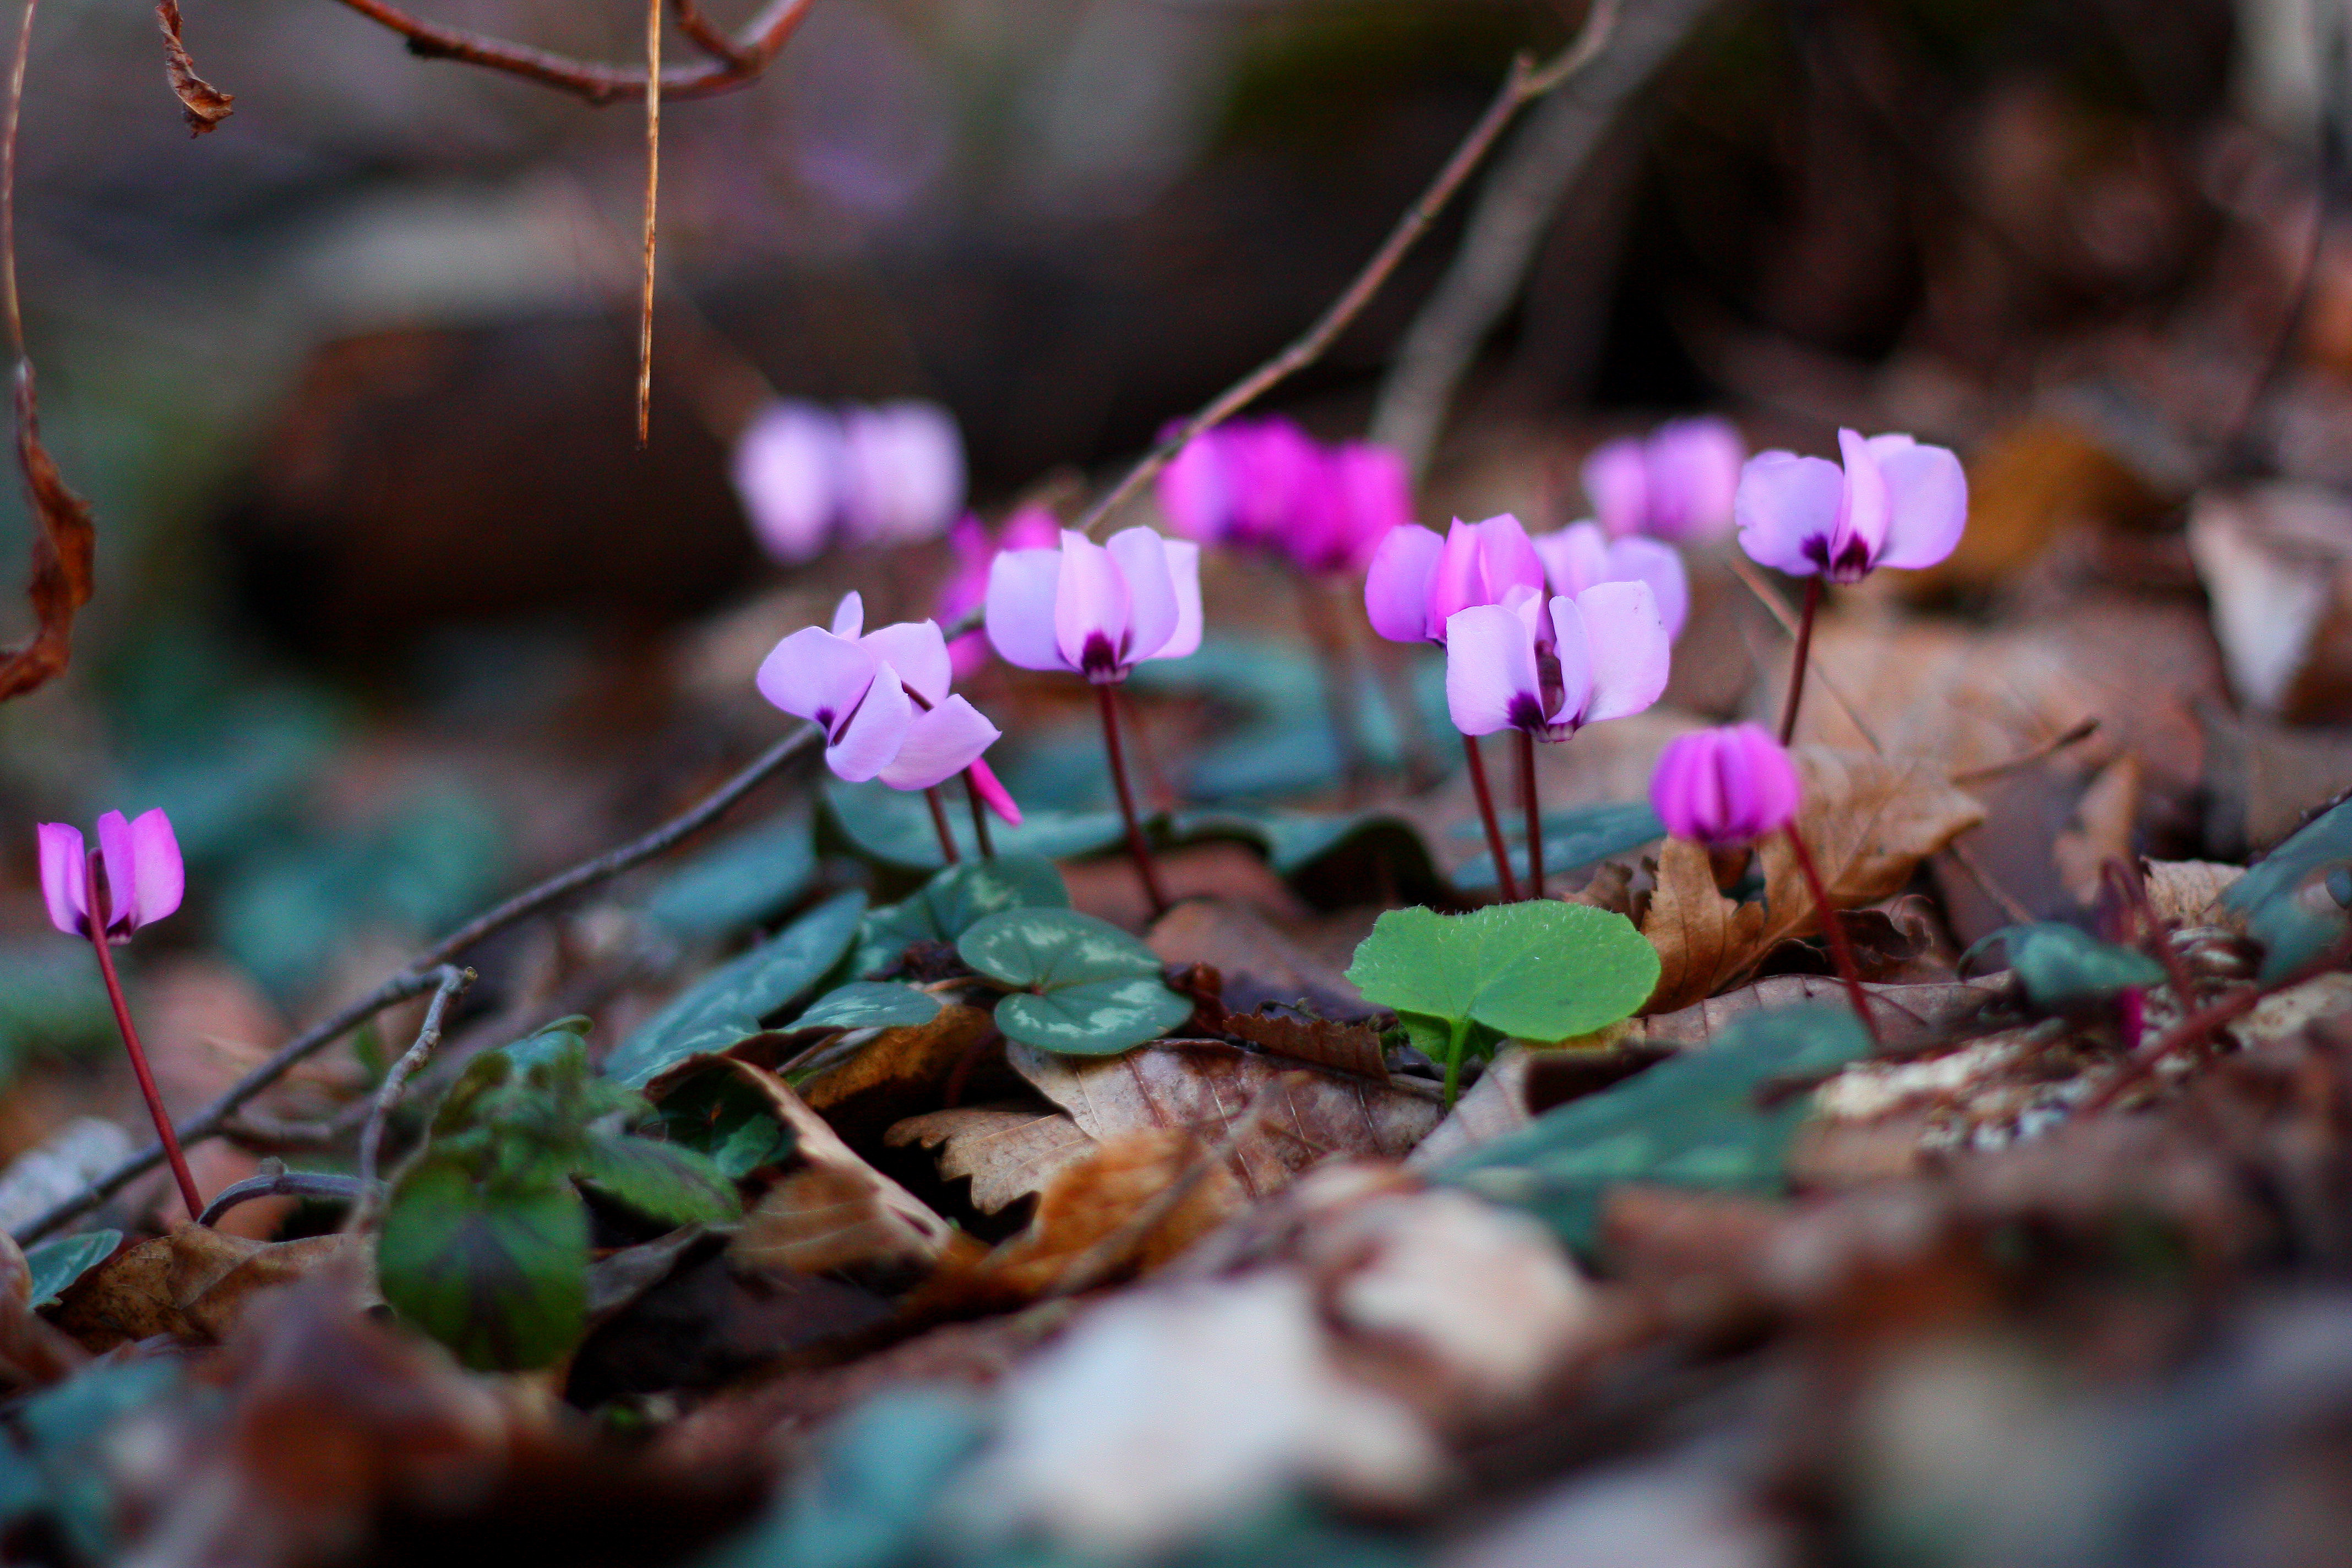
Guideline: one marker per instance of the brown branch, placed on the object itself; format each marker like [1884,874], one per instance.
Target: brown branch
[707,34]
[653,202]
[748,53]
[452,984]
[424,974]
[1526,83]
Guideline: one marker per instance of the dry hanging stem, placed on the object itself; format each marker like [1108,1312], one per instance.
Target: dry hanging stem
[652,191]
[740,61]
[204,105]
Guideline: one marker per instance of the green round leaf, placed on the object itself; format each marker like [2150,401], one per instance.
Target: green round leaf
[944,908]
[1534,971]
[1097,1018]
[869,1005]
[1050,948]
[498,1273]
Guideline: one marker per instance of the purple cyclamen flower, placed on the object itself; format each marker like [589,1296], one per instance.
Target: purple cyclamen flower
[1372,495]
[1264,483]
[1096,609]
[1724,788]
[144,876]
[1893,503]
[881,698]
[1676,484]
[788,472]
[1580,554]
[902,472]
[1418,581]
[1550,666]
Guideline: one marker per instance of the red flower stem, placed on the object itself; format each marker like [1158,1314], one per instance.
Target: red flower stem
[1534,807]
[1136,846]
[163,1134]
[940,821]
[1163,795]
[978,818]
[1840,953]
[1804,654]
[1510,884]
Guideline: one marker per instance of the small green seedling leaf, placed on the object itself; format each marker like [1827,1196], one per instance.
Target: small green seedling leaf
[1543,972]
[869,1005]
[719,1114]
[2062,966]
[55,1265]
[661,1180]
[1082,987]
[728,1004]
[944,908]
[1707,1119]
[1571,839]
[495,1270]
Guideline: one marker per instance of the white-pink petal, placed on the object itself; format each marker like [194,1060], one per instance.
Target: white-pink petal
[816,676]
[1396,585]
[159,877]
[874,734]
[1490,666]
[64,876]
[1784,502]
[1090,608]
[939,745]
[1927,501]
[918,651]
[1571,648]
[1863,518]
[1630,649]
[1141,557]
[1660,564]
[1616,482]
[1185,575]
[788,474]
[1022,584]
[849,615]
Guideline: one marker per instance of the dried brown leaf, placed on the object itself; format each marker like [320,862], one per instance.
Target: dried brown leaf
[2187,891]
[1088,1203]
[2105,819]
[33,1354]
[900,1072]
[1351,1048]
[1704,940]
[1496,1105]
[204,105]
[1008,1155]
[1906,1014]
[1199,1086]
[64,546]
[1258,962]
[193,1284]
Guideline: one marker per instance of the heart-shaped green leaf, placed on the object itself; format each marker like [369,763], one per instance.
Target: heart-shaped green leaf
[1704,1119]
[2062,966]
[55,1265]
[944,908]
[739,882]
[869,1005]
[728,1004]
[496,1272]
[1570,840]
[1534,971]
[1083,986]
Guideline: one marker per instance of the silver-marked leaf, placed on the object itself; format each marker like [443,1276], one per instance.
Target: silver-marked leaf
[869,1005]
[1093,990]
[1095,1017]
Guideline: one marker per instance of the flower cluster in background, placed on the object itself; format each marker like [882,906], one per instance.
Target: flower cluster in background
[810,476]
[1265,484]
[1676,483]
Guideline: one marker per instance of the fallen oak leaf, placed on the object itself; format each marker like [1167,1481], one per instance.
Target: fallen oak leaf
[1704,940]
[193,1284]
[204,105]
[1008,1155]
[897,1069]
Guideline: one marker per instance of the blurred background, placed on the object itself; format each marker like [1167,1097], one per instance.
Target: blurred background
[393,614]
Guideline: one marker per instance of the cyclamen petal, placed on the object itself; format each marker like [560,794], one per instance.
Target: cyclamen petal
[939,745]
[814,675]
[1571,651]
[993,793]
[1575,558]
[1195,490]
[849,615]
[866,743]
[122,864]
[1862,520]
[1788,507]
[787,470]
[919,653]
[1660,564]
[1725,786]
[1617,483]
[1927,501]
[159,878]
[1185,576]
[1693,472]
[1373,494]
[1490,668]
[903,472]
[65,876]
[1022,584]
[1141,557]
[1396,585]
[1090,609]
[1631,653]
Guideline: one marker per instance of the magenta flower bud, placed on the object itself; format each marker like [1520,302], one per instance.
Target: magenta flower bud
[1580,554]
[1196,489]
[1552,666]
[1893,503]
[993,793]
[1724,788]
[144,875]
[881,698]
[788,469]
[902,472]
[1096,609]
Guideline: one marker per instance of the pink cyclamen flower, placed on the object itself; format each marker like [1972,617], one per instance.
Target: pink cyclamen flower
[1727,786]
[1417,581]
[902,472]
[1676,484]
[788,473]
[1097,609]
[1550,666]
[1249,483]
[144,876]
[1894,503]
[1580,554]
[966,589]
[1372,495]
[881,698]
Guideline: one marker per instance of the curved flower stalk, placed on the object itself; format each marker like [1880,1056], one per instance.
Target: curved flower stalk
[135,879]
[1418,581]
[1894,502]
[1547,667]
[1728,787]
[1583,554]
[808,476]
[1098,610]
[1675,484]
[882,699]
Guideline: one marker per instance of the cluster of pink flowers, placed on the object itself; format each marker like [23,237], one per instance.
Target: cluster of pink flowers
[1265,484]
[810,477]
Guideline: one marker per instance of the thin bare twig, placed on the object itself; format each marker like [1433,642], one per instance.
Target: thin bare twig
[653,202]
[751,53]
[282,1182]
[1770,597]
[707,34]
[424,974]
[1526,83]
[2072,736]
[452,984]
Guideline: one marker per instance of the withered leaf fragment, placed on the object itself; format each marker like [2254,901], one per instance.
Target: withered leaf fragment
[64,544]
[204,105]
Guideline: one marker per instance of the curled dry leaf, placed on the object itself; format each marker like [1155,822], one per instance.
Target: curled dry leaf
[193,1284]
[1202,1085]
[1704,940]
[897,1071]
[1496,1105]
[204,105]
[64,545]
[1008,1155]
